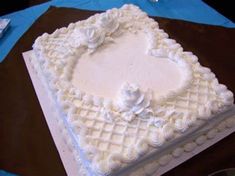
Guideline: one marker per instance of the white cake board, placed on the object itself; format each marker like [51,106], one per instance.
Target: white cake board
[68,160]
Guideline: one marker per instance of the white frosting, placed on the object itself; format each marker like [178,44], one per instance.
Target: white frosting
[70,59]
[181,125]
[222,126]
[157,121]
[132,100]
[200,140]
[138,172]
[204,112]
[212,133]
[130,156]
[128,116]
[177,152]
[230,122]
[156,139]
[189,147]
[150,168]
[107,115]
[165,159]
[108,23]
[91,37]
[121,62]
[142,146]
[168,131]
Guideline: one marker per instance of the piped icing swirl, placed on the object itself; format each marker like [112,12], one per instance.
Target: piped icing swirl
[108,23]
[92,37]
[133,101]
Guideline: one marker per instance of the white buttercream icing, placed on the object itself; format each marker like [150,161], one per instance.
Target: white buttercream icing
[107,115]
[212,133]
[117,62]
[200,140]
[230,122]
[142,146]
[130,155]
[165,159]
[156,139]
[131,99]
[151,168]
[114,161]
[157,121]
[138,172]
[181,125]
[167,131]
[128,116]
[91,37]
[204,112]
[221,126]
[87,99]
[197,90]
[189,147]
[108,22]
[177,152]
[102,167]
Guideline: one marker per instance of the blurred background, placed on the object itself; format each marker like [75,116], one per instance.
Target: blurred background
[222,6]
[8,6]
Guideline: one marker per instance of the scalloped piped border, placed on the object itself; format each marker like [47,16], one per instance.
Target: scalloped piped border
[151,167]
[151,29]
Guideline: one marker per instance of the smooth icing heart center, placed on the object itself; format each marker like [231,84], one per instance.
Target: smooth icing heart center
[125,60]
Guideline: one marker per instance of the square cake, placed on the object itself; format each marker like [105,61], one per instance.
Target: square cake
[127,94]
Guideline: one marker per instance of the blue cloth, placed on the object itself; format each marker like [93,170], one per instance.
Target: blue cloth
[4,173]
[190,10]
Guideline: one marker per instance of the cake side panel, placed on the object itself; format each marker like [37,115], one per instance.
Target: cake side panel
[56,126]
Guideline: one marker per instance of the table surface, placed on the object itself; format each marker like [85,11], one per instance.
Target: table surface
[190,10]
[17,92]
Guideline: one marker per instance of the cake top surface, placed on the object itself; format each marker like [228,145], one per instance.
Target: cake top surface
[125,87]
[121,62]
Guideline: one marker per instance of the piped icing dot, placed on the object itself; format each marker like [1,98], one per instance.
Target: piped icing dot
[181,125]
[200,140]
[204,112]
[221,126]
[168,131]
[151,167]
[177,152]
[114,161]
[189,147]
[88,99]
[108,22]
[130,155]
[142,146]
[212,133]
[156,139]
[230,122]
[165,159]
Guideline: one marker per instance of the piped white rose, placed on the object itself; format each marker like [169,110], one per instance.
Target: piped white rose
[108,23]
[133,102]
[92,37]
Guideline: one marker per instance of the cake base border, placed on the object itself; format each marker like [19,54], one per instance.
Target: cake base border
[63,146]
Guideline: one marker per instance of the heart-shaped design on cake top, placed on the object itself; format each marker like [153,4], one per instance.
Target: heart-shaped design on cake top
[129,59]
[124,87]
[128,53]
